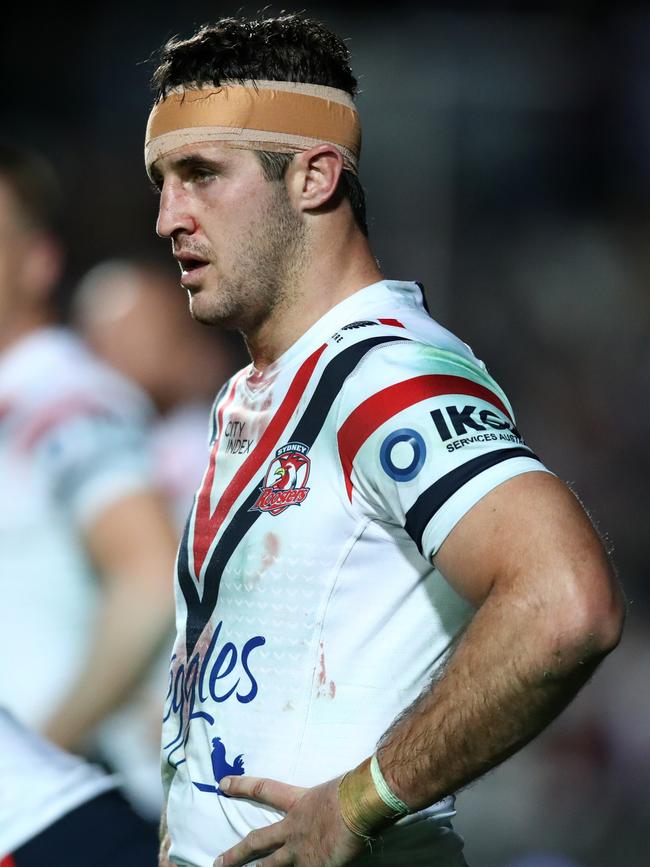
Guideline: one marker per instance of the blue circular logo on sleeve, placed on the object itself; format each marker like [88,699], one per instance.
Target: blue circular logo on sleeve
[402,454]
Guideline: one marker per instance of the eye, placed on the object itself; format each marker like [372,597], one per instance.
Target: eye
[203,175]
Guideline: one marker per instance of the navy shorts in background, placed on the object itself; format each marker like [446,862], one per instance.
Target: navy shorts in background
[105,832]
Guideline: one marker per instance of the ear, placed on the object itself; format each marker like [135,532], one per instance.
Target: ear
[313,177]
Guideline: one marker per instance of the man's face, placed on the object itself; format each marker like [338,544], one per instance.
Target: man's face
[235,234]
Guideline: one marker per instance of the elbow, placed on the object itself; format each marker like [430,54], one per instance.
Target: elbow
[604,626]
[594,617]
[584,614]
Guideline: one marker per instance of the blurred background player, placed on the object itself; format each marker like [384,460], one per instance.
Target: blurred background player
[55,808]
[87,545]
[133,315]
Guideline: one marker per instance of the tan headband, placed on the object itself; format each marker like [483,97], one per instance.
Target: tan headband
[282,116]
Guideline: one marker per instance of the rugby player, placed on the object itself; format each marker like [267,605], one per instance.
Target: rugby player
[382,592]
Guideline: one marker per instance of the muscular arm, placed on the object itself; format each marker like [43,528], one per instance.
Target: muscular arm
[548,610]
[132,544]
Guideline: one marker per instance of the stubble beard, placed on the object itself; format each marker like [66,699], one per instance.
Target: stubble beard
[266,270]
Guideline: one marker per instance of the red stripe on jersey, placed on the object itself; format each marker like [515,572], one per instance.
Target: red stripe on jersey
[7,861]
[206,525]
[201,530]
[206,486]
[375,410]
[391,322]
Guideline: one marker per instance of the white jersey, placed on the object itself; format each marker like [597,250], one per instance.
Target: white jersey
[39,784]
[71,443]
[309,613]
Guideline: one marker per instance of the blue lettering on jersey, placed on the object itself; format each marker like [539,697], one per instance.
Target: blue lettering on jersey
[214,677]
[403,464]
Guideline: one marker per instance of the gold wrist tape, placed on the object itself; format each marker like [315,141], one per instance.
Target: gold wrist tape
[283,116]
[363,810]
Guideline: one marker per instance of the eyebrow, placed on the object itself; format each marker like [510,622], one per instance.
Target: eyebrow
[192,161]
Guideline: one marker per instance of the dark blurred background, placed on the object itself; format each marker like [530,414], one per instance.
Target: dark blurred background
[506,161]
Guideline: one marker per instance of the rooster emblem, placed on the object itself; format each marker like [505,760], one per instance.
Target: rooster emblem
[285,483]
[286,475]
[221,768]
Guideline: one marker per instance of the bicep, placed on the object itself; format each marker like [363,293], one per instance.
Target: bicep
[529,534]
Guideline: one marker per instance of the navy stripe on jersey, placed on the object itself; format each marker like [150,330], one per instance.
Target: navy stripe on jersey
[429,501]
[424,297]
[199,610]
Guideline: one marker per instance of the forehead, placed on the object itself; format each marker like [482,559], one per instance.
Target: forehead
[192,154]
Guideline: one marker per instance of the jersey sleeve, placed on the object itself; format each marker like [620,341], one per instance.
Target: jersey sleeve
[423,435]
[91,451]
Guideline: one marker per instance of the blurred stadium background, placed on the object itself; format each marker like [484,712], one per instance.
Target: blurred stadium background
[507,167]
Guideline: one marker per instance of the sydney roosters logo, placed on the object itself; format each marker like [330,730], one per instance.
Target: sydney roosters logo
[285,483]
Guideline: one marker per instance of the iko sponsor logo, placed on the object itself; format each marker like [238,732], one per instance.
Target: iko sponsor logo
[221,673]
[483,425]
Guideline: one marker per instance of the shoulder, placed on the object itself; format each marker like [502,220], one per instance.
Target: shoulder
[64,370]
[409,366]
[61,393]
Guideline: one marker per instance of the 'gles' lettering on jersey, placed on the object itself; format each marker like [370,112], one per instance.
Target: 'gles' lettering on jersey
[223,672]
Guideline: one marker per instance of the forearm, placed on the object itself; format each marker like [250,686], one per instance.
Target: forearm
[510,675]
[132,544]
[496,693]
[129,630]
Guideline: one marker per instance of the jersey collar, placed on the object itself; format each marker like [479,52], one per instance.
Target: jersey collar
[386,297]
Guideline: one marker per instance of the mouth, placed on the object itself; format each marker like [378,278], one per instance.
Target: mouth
[193,269]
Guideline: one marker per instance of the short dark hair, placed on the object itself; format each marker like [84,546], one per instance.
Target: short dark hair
[34,185]
[287,48]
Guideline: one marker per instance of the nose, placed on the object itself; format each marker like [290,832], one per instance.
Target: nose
[174,214]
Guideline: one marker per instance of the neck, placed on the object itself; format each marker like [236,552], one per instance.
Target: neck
[342,267]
